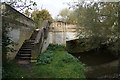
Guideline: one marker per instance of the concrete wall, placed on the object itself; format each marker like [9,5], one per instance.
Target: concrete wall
[60,32]
[19,27]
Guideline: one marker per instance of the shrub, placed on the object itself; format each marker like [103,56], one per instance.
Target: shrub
[45,57]
[68,58]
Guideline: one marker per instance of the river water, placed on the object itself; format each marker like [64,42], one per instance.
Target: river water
[99,64]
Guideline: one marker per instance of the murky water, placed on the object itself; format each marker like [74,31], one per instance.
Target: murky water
[98,63]
[92,59]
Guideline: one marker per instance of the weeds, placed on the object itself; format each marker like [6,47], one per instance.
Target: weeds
[69,58]
[45,58]
[55,62]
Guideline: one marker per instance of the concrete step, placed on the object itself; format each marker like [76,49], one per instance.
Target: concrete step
[24,55]
[30,41]
[24,58]
[26,47]
[24,61]
[23,49]
[24,52]
[27,44]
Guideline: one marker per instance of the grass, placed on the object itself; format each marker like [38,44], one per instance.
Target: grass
[55,62]
[12,70]
[58,64]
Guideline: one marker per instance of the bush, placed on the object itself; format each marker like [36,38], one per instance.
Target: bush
[57,63]
[45,57]
[68,58]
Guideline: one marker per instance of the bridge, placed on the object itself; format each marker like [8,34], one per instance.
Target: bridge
[60,32]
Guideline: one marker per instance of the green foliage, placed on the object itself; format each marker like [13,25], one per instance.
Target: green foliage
[102,26]
[40,16]
[72,18]
[64,14]
[56,65]
[45,58]
[61,64]
[67,15]
[27,13]
[12,70]
[114,47]
[69,58]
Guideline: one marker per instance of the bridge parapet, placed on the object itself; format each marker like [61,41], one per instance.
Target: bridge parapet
[60,32]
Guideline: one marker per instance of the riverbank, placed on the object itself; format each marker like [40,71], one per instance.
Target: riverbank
[55,62]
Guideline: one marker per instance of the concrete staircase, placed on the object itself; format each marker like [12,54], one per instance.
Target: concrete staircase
[24,54]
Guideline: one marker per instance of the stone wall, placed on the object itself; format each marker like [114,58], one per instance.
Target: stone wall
[19,27]
[60,32]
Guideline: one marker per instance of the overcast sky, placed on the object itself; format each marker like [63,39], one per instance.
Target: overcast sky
[53,6]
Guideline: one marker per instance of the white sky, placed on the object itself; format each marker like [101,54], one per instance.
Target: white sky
[53,6]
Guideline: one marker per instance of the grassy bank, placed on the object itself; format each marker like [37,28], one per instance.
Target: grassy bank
[55,62]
